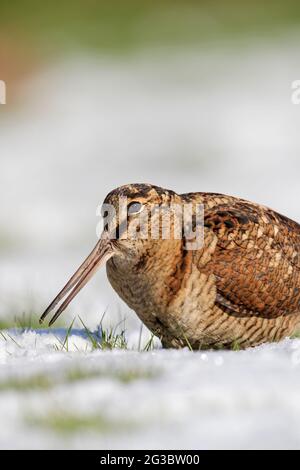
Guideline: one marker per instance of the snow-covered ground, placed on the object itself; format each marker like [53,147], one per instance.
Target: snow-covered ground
[212,120]
[79,398]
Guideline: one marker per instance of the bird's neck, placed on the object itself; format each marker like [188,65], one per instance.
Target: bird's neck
[155,256]
[154,269]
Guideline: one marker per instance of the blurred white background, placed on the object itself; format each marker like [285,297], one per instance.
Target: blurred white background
[206,120]
[217,119]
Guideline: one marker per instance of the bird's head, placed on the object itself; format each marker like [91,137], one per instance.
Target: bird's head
[134,216]
[137,215]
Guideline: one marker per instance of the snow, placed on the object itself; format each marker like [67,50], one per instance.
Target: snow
[177,399]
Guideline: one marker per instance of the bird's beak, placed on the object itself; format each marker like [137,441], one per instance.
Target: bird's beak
[97,258]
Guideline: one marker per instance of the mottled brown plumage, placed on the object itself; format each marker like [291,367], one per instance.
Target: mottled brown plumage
[242,287]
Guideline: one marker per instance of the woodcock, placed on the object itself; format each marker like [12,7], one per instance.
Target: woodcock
[241,287]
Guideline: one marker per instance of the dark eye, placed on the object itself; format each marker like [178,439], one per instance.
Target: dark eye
[134,208]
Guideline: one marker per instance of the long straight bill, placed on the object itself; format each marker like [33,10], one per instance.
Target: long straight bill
[97,258]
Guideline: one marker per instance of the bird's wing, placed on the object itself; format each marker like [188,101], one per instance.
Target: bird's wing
[256,260]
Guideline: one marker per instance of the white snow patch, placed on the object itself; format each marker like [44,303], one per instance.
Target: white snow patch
[179,399]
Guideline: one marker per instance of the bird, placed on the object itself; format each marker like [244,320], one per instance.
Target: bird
[239,288]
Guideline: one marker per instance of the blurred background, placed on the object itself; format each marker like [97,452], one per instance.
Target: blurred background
[188,95]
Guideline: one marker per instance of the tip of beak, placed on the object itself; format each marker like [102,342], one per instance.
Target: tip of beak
[52,321]
[99,255]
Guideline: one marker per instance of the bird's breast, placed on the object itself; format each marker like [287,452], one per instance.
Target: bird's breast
[168,292]
[148,282]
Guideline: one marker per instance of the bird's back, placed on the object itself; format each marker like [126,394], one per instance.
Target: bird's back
[246,288]
[256,260]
